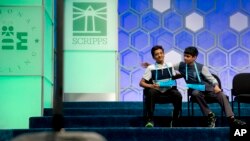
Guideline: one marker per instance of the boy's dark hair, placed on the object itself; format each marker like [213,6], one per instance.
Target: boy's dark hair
[191,51]
[154,48]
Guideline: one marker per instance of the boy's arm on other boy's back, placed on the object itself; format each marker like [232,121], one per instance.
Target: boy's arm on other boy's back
[145,64]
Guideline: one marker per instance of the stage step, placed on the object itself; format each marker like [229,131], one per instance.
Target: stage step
[102,104]
[106,111]
[132,108]
[125,121]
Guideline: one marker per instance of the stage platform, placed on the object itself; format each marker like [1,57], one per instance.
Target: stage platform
[124,121]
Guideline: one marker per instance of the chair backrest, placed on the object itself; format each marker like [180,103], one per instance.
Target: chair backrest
[241,84]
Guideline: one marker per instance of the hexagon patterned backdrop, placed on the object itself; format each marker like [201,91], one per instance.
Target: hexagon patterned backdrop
[220,30]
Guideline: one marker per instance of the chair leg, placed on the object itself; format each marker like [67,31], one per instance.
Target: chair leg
[144,107]
[232,102]
[239,109]
[144,110]
[222,112]
[192,108]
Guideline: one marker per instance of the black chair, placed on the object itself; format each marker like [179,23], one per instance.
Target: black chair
[208,99]
[240,91]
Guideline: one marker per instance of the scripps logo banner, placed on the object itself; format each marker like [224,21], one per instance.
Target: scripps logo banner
[90,25]
[89,19]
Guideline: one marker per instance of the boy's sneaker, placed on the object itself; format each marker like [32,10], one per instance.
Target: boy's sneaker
[149,124]
[237,123]
[211,120]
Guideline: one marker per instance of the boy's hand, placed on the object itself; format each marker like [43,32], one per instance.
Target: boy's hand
[217,89]
[155,86]
[145,64]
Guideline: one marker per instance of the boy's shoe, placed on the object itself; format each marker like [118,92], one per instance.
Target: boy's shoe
[237,123]
[211,120]
[149,124]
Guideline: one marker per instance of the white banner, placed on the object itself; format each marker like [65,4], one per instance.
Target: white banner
[91,25]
